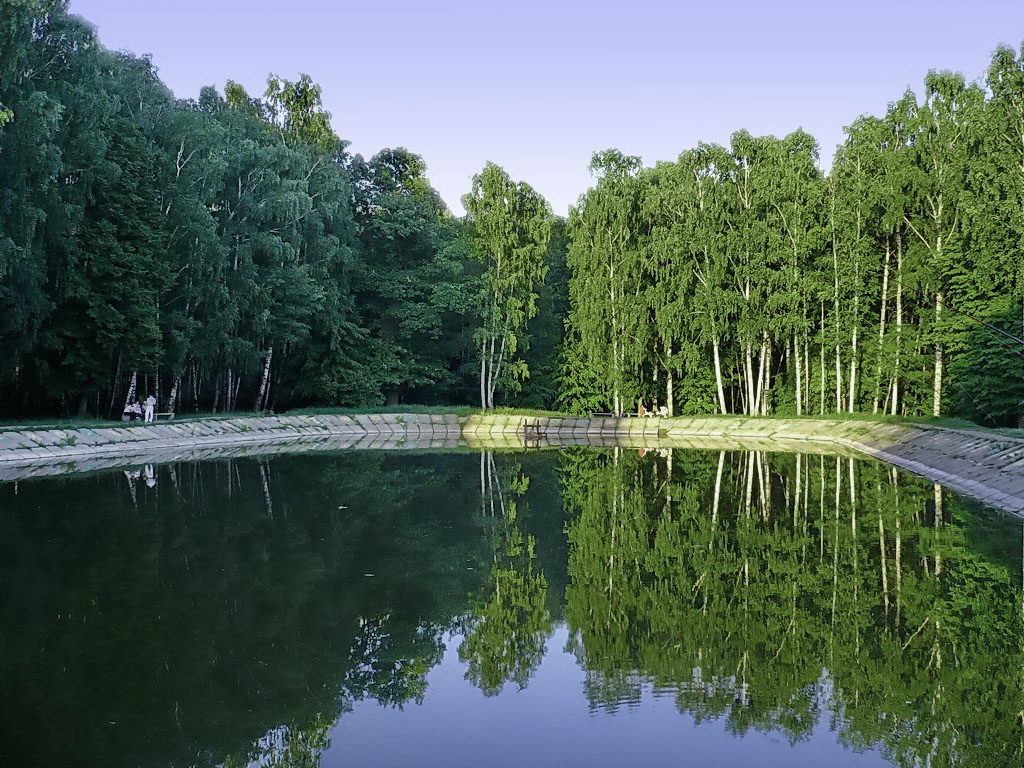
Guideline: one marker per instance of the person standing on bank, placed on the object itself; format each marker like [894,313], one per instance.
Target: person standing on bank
[150,408]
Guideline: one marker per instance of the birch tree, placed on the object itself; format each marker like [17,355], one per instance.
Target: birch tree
[942,148]
[606,283]
[511,228]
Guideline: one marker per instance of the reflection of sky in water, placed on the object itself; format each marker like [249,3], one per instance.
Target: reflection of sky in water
[549,723]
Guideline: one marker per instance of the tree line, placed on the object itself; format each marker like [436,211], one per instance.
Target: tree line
[228,252]
[743,279]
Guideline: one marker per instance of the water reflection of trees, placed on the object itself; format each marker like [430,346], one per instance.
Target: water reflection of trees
[232,610]
[508,628]
[780,591]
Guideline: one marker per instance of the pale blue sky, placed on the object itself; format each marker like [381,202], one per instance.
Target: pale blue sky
[538,86]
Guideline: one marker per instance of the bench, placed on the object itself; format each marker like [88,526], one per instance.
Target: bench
[168,415]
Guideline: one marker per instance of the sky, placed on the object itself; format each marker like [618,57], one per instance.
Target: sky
[537,87]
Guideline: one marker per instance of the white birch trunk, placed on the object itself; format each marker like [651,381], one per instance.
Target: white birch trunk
[483,375]
[807,374]
[894,405]
[670,401]
[799,382]
[131,389]
[749,371]
[117,379]
[718,377]
[881,328]
[172,400]
[264,391]
[939,361]
[853,366]
[821,351]
[756,409]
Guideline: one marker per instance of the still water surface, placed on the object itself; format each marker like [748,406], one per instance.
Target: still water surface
[582,608]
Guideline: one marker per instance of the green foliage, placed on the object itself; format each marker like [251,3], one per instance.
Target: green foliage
[510,623]
[415,289]
[232,613]
[296,109]
[228,253]
[740,279]
[511,228]
[546,331]
[507,640]
[991,368]
[747,583]
[240,635]
[221,253]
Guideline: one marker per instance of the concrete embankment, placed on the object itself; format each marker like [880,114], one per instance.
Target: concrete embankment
[981,464]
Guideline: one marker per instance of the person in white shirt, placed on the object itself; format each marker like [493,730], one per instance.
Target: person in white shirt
[150,408]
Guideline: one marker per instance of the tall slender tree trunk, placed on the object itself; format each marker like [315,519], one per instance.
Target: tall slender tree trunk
[853,364]
[881,327]
[821,351]
[132,382]
[172,399]
[718,376]
[483,375]
[894,403]
[759,392]
[769,354]
[799,382]
[939,360]
[496,366]
[839,380]
[835,307]
[670,400]
[490,373]
[807,373]
[852,394]
[616,341]
[264,390]
[117,383]
[749,371]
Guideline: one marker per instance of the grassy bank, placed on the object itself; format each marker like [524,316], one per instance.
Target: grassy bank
[94,423]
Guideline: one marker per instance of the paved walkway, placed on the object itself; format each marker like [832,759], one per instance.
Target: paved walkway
[981,464]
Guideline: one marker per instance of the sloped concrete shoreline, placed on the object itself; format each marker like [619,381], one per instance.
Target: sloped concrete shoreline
[985,465]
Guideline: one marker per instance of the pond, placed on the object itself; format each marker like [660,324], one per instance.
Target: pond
[584,607]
